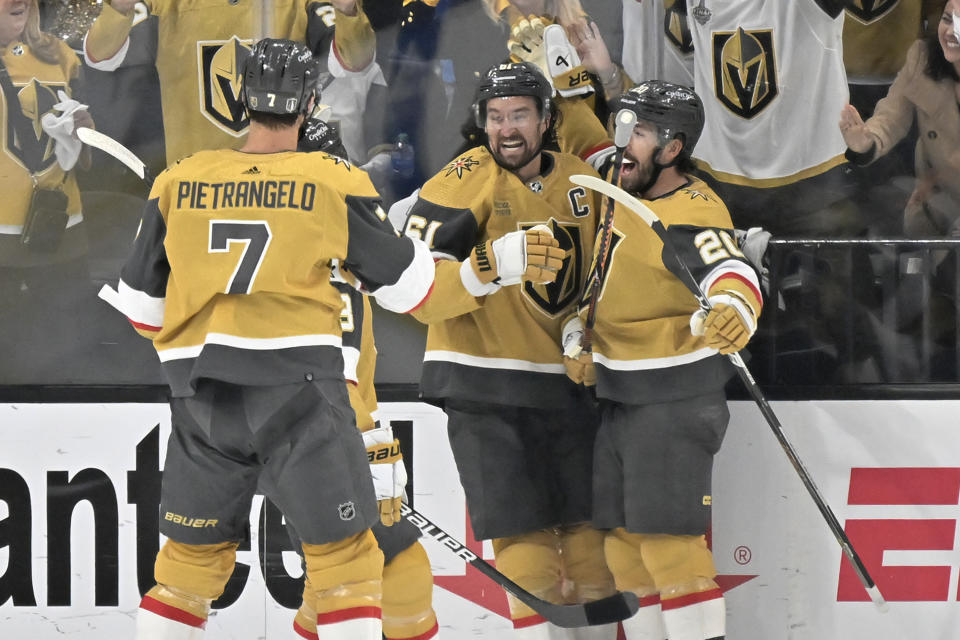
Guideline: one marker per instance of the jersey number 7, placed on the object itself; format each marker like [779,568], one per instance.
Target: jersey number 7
[254,235]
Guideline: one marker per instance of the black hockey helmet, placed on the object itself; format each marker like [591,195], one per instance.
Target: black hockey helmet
[318,135]
[279,76]
[511,79]
[674,109]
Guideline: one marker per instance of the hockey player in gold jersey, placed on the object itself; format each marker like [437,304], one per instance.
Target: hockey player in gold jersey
[520,432]
[407,578]
[230,277]
[201,46]
[661,385]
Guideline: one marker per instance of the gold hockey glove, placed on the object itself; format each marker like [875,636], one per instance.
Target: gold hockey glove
[724,328]
[526,42]
[581,369]
[389,474]
[518,256]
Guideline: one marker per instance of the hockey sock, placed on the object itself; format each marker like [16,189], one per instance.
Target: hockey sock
[408,596]
[623,553]
[347,578]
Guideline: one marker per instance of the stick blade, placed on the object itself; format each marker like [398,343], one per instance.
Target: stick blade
[615,608]
[113,148]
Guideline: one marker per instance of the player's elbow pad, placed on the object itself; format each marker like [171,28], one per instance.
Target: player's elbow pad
[414,284]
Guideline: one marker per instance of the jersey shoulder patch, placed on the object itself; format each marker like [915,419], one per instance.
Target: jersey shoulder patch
[464,180]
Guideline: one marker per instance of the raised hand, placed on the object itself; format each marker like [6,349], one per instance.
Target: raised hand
[854,131]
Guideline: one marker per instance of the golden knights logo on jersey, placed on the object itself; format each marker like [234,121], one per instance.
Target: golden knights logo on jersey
[745,70]
[599,276]
[35,151]
[675,26]
[221,66]
[868,11]
[556,297]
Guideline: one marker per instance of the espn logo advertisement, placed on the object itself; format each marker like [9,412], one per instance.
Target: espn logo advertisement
[923,574]
[79,487]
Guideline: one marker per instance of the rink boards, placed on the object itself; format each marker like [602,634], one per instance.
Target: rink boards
[79,485]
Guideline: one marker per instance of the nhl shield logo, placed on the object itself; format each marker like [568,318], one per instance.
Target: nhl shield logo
[34,152]
[867,11]
[744,71]
[221,76]
[347,511]
[675,26]
[554,298]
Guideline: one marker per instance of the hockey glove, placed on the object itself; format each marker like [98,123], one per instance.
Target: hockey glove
[727,327]
[526,42]
[577,362]
[518,256]
[568,75]
[389,474]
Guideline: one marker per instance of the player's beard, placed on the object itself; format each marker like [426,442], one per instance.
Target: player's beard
[525,154]
[637,176]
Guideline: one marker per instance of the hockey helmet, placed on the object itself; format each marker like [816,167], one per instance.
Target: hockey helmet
[323,136]
[279,76]
[511,79]
[674,109]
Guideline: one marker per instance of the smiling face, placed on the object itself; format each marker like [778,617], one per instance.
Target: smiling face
[637,165]
[13,19]
[949,40]
[514,129]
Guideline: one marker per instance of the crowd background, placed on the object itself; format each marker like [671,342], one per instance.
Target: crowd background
[880,307]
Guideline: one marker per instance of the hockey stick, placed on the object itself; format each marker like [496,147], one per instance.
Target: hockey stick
[623,128]
[113,148]
[615,608]
[633,204]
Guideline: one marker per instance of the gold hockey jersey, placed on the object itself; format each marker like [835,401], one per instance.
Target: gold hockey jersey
[36,84]
[642,345]
[201,44]
[230,272]
[359,353]
[503,347]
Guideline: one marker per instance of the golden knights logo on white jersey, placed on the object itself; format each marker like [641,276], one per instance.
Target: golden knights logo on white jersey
[556,297]
[867,11]
[745,70]
[36,151]
[675,26]
[220,74]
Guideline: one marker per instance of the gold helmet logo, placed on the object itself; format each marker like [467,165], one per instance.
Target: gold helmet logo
[556,297]
[867,11]
[221,78]
[745,72]
[675,26]
[34,151]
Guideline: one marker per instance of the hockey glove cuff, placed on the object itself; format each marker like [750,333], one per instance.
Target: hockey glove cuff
[389,474]
[572,337]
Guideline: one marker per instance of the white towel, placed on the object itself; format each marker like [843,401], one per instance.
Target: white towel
[60,128]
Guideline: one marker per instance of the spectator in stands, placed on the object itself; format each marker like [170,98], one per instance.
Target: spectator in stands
[768,74]
[884,185]
[43,243]
[200,49]
[926,88]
